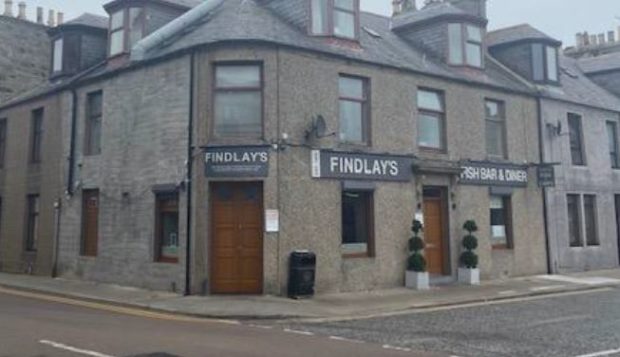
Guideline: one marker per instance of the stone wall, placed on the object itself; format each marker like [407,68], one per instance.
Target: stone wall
[25,56]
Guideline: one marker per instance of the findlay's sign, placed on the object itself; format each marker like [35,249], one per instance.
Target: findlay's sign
[359,166]
[492,174]
[237,161]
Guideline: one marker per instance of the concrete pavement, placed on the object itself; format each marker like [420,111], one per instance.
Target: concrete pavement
[331,306]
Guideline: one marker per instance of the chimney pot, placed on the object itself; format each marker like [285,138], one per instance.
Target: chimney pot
[579,40]
[8,8]
[396,7]
[611,37]
[40,15]
[601,39]
[50,18]
[22,10]
[60,18]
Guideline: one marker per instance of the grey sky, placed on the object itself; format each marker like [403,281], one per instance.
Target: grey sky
[558,18]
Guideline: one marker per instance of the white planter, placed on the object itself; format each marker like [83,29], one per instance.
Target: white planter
[415,280]
[469,276]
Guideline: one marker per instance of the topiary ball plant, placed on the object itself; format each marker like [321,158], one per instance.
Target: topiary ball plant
[469,259]
[416,261]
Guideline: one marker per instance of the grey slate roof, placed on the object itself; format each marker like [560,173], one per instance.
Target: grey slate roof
[601,63]
[247,20]
[90,20]
[576,87]
[429,12]
[517,33]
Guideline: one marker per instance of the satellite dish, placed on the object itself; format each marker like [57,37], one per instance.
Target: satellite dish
[320,126]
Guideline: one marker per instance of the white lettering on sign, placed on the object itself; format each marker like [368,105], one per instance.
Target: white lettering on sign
[226,157]
[363,166]
[494,174]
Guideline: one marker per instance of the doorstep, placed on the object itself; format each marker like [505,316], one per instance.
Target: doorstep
[339,306]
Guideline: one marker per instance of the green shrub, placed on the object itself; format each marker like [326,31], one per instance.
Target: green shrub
[416,261]
[469,259]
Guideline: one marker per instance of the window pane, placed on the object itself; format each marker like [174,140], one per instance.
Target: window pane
[612,135]
[319,16]
[238,113]
[576,148]
[117,20]
[495,138]
[474,34]
[117,42]
[499,221]
[538,61]
[58,47]
[344,24]
[574,224]
[552,63]
[344,4]
[455,38]
[168,229]
[589,213]
[136,18]
[474,54]
[356,221]
[429,100]
[430,131]
[491,108]
[351,87]
[238,77]
[351,121]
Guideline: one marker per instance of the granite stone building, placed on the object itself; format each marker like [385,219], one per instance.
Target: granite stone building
[216,137]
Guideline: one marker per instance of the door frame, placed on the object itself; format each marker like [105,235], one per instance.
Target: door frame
[211,232]
[617,211]
[445,221]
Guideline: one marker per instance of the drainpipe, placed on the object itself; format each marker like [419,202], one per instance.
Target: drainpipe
[544,189]
[190,165]
[56,242]
[71,175]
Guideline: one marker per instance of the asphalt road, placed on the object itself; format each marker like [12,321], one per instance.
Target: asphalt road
[584,325]
[32,327]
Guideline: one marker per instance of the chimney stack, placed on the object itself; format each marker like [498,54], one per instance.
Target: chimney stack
[8,8]
[593,40]
[579,40]
[40,15]
[22,10]
[611,37]
[50,18]
[601,39]
[60,18]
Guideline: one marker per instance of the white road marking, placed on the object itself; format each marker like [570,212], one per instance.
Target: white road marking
[61,346]
[547,287]
[305,333]
[344,339]
[602,353]
[559,320]
[395,348]
[264,327]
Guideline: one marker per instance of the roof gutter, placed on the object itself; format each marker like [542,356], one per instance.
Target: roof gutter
[138,52]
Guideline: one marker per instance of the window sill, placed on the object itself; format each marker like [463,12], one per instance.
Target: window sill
[431,150]
[167,261]
[356,255]
[503,247]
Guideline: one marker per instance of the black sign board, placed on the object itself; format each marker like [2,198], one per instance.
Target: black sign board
[237,161]
[546,176]
[361,166]
[493,174]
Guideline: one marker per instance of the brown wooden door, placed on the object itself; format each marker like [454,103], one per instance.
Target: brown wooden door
[434,231]
[237,238]
[90,219]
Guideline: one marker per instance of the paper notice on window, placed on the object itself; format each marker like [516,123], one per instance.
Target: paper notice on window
[272,221]
[498,231]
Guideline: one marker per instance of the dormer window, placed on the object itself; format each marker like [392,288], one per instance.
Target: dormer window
[465,45]
[57,56]
[339,18]
[126,29]
[545,63]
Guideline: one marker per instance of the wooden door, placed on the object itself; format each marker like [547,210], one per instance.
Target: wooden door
[434,231]
[90,222]
[236,238]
